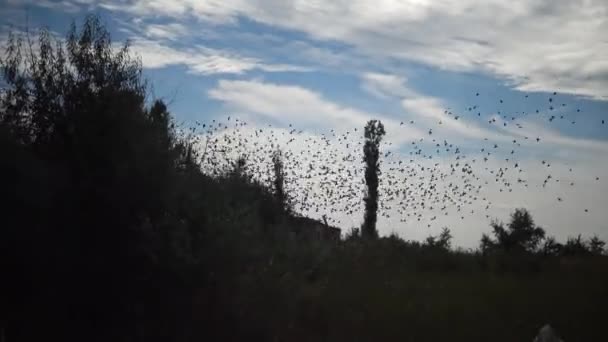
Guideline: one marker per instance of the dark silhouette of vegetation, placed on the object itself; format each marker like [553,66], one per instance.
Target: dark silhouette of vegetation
[111,232]
[521,234]
[596,245]
[443,241]
[578,247]
[575,247]
[93,179]
[279,180]
[374,131]
[551,247]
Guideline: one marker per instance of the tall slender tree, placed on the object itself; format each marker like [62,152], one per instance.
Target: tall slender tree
[279,180]
[374,131]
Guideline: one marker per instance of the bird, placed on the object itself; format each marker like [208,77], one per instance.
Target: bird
[429,176]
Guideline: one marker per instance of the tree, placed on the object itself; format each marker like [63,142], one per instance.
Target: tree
[374,132]
[91,173]
[240,166]
[576,247]
[596,245]
[486,244]
[551,247]
[521,234]
[279,181]
[443,241]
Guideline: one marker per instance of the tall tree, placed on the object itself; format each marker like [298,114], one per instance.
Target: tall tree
[374,132]
[279,180]
[89,172]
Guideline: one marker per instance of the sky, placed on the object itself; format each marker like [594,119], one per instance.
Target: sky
[473,73]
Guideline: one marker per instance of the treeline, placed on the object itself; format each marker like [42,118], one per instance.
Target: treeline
[521,234]
[111,232]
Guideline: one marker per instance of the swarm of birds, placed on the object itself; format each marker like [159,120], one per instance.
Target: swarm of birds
[420,180]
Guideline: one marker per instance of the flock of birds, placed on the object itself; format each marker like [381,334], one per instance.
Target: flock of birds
[420,180]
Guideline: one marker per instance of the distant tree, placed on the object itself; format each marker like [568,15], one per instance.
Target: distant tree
[279,180]
[551,247]
[596,245]
[445,238]
[239,167]
[443,241]
[576,247]
[352,234]
[486,244]
[374,132]
[520,234]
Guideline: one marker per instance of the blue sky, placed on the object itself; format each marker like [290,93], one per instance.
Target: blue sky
[322,64]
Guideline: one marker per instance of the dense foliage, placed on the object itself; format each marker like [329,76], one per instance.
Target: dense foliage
[111,232]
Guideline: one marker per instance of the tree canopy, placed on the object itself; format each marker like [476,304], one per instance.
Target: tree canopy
[521,233]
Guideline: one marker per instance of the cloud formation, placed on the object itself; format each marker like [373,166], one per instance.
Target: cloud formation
[202,60]
[541,45]
[298,105]
[430,112]
[427,111]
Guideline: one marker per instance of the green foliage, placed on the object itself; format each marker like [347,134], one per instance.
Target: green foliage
[374,132]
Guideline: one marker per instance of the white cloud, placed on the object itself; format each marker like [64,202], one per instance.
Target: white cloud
[69,6]
[426,111]
[538,45]
[284,102]
[555,139]
[300,106]
[385,85]
[202,60]
[170,31]
[430,112]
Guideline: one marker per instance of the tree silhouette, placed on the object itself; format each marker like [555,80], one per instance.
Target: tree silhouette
[374,131]
[239,169]
[486,244]
[576,246]
[521,234]
[443,241]
[596,245]
[91,172]
[279,180]
[551,247]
